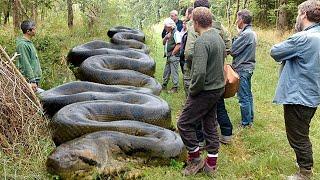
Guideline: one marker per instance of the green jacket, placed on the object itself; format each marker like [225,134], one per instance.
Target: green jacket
[207,64]
[28,61]
[192,36]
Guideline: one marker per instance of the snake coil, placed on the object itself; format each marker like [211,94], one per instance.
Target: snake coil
[113,111]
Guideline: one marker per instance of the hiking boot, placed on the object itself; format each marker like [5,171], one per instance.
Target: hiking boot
[302,174]
[193,166]
[164,87]
[242,126]
[225,139]
[209,170]
[173,90]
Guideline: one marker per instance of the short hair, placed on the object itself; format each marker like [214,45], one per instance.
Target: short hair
[175,12]
[169,23]
[202,16]
[245,15]
[312,9]
[27,25]
[189,10]
[201,3]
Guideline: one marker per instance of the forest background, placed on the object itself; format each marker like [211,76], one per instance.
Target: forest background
[258,153]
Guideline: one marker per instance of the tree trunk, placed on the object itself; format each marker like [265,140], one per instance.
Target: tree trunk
[6,11]
[237,9]
[16,15]
[282,24]
[35,10]
[229,13]
[6,17]
[245,4]
[70,14]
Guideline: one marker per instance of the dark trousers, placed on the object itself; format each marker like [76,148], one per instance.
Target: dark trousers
[200,109]
[297,121]
[223,120]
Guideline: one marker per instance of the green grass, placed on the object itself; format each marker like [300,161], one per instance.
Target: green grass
[258,153]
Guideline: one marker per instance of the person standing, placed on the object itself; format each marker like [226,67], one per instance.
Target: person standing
[187,63]
[222,114]
[298,88]
[179,25]
[28,62]
[172,51]
[243,51]
[206,88]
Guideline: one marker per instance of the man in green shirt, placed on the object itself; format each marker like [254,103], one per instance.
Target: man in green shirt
[206,88]
[28,61]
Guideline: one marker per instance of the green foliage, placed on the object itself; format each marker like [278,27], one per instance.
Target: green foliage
[145,13]
[176,165]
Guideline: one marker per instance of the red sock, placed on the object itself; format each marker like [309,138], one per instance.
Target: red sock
[194,155]
[212,161]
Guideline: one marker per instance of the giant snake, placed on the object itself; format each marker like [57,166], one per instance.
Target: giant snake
[117,113]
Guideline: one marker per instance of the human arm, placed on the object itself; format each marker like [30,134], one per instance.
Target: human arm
[192,36]
[176,50]
[240,44]
[177,39]
[199,65]
[163,34]
[227,39]
[23,63]
[288,49]
[166,37]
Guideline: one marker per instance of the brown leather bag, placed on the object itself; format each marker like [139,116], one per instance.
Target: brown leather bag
[232,81]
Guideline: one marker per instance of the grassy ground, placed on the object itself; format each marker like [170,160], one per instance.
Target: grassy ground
[258,153]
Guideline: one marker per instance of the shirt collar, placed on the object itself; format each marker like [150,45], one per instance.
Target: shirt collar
[246,27]
[312,26]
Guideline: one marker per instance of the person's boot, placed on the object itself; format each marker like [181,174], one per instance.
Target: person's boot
[173,90]
[302,174]
[210,166]
[194,163]
[225,139]
[164,87]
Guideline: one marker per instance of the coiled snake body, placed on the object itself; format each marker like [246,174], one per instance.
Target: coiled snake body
[122,113]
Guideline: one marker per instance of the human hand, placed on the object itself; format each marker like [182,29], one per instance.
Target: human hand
[168,36]
[34,86]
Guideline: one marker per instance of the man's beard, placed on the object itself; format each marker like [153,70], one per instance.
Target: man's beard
[298,26]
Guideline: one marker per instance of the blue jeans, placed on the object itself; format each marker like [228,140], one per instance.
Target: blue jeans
[245,98]
[223,118]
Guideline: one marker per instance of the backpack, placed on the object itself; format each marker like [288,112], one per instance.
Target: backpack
[183,45]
